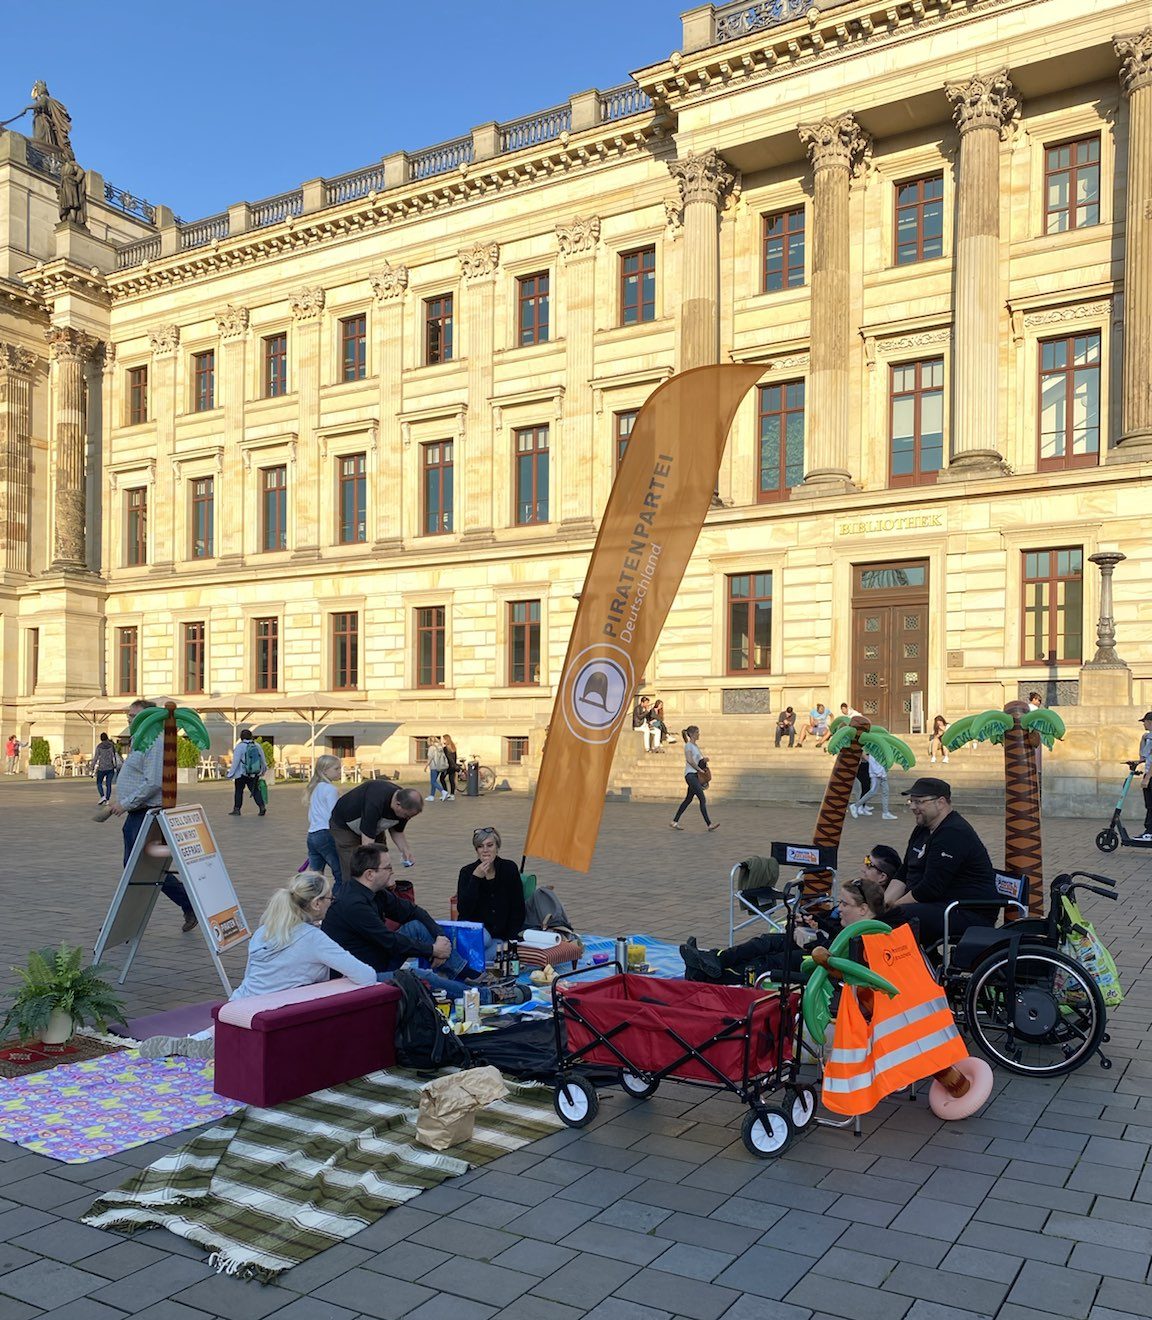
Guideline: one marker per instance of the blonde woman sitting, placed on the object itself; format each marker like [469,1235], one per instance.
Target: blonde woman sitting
[287,951]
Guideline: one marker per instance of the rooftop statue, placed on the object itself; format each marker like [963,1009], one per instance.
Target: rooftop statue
[72,191]
[51,122]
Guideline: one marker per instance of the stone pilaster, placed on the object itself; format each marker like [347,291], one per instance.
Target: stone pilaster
[704,180]
[165,342]
[1135,443]
[389,286]
[70,349]
[838,149]
[478,266]
[984,108]
[577,244]
[312,486]
[16,368]
[229,490]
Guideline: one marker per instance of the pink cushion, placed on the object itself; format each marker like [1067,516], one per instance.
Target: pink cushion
[240,1012]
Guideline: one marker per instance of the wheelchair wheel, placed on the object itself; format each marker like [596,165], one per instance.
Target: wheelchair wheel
[1054,1021]
[766,1136]
[1107,841]
[576,1101]
[637,1087]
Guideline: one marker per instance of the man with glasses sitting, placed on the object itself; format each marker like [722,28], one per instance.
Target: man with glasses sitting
[945,862]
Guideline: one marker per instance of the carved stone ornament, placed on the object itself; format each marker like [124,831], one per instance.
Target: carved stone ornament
[108,356]
[307,304]
[838,143]
[233,321]
[703,177]
[579,237]
[479,259]
[1071,312]
[389,283]
[986,101]
[165,340]
[1136,55]
[22,361]
[69,345]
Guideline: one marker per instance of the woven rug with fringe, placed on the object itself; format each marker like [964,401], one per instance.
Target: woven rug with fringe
[267,1189]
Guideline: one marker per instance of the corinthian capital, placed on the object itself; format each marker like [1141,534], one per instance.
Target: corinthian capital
[1136,60]
[985,101]
[703,177]
[390,282]
[307,304]
[838,143]
[580,236]
[19,360]
[233,321]
[165,340]
[69,345]
[479,259]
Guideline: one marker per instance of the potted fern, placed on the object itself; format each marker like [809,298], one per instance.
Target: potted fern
[57,995]
[39,759]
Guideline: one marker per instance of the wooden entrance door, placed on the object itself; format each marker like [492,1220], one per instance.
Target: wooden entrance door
[890,641]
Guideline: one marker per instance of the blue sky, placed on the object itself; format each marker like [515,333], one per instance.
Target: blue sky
[198,105]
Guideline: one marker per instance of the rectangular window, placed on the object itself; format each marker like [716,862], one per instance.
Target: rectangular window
[531,475]
[438,491]
[136,507]
[274,508]
[353,348]
[353,494]
[638,286]
[622,424]
[438,329]
[194,675]
[920,219]
[781,423]
[267,675]
[126,659]
[524,643]
[532,301]
[33,660]
[204,380]
[420,747]
[516,750]
[275,366]
[916,421]
[750,623]
[784,250]
[430,646]
[1072,185]
[345,650]
[1053,607]
[1070,402]
[203,518]
[137,395]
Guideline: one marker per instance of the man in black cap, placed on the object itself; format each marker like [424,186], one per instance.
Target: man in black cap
[945,862]
[1146,782]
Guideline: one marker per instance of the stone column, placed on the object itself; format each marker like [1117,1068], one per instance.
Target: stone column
[576,243]
[70,349]
[478,265]
[312,488]
[16,368]
[389,286]
[704,181]
[1135,443]
[229,489]
[838,149]
[165,341]
[984,108]
[1106,680]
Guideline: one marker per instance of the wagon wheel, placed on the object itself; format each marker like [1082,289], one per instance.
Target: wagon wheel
[802,1108]
[576,1101]
[766,1132]
[636,1086]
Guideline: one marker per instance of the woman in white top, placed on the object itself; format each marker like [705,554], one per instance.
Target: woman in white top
[694,761]
[320,797]
[288,950]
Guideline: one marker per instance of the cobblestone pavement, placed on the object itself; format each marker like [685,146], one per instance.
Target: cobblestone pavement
[1041,1206]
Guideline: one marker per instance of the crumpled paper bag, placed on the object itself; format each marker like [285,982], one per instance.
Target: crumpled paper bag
[448,1105]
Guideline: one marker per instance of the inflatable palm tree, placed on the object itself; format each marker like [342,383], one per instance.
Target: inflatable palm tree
[1020,730]
[167,719]
[850,740]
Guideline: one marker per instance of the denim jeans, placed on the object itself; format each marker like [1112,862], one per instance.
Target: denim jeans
[104,780]
[446,976]
[171,888]
[693,789]
[321,851]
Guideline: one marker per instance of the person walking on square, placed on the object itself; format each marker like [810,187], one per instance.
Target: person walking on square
[12,752]
[879,785]
[248,766]
[320,797]
[696,777]
[786,726]
[437,764]
[1146,781]
[448,776]
[105,763]
[936,739]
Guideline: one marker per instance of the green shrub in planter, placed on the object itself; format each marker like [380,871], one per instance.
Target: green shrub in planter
[53,982]
[39,752]
[187,754]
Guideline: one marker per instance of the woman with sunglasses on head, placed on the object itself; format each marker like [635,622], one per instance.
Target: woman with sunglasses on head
[490,891]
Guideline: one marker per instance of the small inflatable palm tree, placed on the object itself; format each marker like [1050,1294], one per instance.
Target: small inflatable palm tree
[850,740]
[1020,731]
[147,727]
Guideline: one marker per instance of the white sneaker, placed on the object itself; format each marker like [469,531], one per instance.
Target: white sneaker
[945,760]
[932,759]
[450,797]
[889,816]
[1144,838]
[864,811]
[187,1047]
[853,809]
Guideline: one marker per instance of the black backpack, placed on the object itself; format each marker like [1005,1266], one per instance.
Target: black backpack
[424,1040]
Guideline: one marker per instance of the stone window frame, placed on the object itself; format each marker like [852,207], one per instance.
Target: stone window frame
[332,358]
[542,406]
[503,596]
[418,628]
[180,673]
[123,477]
[179,619]
[1085,534]
[187,468]
[1048,130]
[903,182]
[330,617]
[261,336]
[917,360]
[452,317]
[507,310]
[439,466]
[119,630]
[1051,549]
[722,567]
[764,214]
[622,255]
[884,346]
[752,670]
[130,368]
[250,611]
[779,380]
[335,443]
[256,455]
[627,392]
[890,169]
[188,392]
[410,602]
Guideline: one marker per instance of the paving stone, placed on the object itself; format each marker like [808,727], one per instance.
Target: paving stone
[683,1297]
[981,1263]
[1120,1295]
[557,1171]
[538,1258]
[1081,1228]
[958,1186]
[859,1210]
[239,1299]
[970,1294]
[14,1257]
[41,1192]
[693,1262]
[486,1210]
[392,1227]
[540,1308]
[1121,1212]
[1099,1150]
[1012,1214]
[600,1188]
[587,1280]
[721,1175]
[552,1221]
[49,1283]
[765,1271]
[874,1187]
[793,1195]
[312,1308]
[124,1258]
[850,1300]
[1104,1178]
[504,1187]
[853,1266]
[762,1308]
[807,1234]
[682,1149]
[371,1294]
[491,1284]
[922,1310]
[445,1199]
[404,1260]
[67,1241]
[1054,1289]
[673,1196]
[1055,1198]
[933,1218]
[615,1243]
[633,1215]
[84,1308]
[1017,1242]
[154,1282]
[707,1233]
[750,1214]
[663,1170]
[11,1309]
[1109,1261]
[612,1308]
[14,1223]
[894,1246]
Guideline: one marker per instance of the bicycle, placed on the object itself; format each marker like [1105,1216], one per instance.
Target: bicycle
[487,777]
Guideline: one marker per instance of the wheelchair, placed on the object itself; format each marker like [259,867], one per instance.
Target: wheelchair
[1028,1007]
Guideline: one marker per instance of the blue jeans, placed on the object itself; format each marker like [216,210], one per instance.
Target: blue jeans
[104,780]
[171,888]
[693,789]
[446,977]
[434,784]
[321,850]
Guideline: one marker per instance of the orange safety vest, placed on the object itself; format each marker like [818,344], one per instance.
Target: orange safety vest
[910,1037]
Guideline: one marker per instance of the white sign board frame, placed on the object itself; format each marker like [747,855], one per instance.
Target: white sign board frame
[176,841]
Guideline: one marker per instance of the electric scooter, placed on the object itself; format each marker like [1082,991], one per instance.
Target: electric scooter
[1114,834]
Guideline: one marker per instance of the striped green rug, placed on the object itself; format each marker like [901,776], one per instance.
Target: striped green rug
[267,1189]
